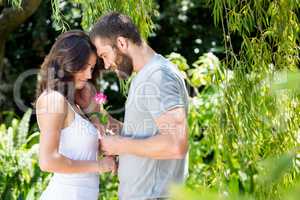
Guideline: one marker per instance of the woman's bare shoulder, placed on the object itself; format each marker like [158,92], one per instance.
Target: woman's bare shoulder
[51,102]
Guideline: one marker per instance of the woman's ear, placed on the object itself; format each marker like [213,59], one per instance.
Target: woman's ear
[122,44]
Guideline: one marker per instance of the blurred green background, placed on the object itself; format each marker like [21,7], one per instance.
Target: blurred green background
[240,60]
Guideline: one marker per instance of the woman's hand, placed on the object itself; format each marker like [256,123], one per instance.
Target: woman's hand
[107,164]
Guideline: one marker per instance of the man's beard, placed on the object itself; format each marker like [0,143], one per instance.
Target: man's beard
[124,65]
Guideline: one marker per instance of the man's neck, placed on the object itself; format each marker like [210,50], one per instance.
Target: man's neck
[141,55]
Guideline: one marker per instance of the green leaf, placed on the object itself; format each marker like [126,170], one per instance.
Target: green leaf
[30,194]
[179,61]
[23,128]
[103,119]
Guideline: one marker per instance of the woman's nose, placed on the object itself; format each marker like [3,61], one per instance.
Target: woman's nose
[89,74]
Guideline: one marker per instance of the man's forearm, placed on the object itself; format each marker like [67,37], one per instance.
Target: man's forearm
[114,125]
[156,147]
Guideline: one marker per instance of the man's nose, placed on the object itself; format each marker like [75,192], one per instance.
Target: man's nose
[106,65]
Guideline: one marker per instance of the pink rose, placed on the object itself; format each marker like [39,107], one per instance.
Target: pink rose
[100,98]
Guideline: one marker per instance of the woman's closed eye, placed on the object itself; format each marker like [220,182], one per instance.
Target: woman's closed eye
[92,68]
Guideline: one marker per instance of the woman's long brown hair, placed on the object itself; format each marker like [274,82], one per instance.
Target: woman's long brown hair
[68,55]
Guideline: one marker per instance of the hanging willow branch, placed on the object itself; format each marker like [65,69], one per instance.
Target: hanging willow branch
[262,25]
[140,12]
[252,123]
[15,3]
[58,16]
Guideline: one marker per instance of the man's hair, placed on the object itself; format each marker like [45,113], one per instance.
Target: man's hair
[113,25]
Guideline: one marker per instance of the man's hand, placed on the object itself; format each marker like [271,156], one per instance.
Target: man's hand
[107,164]
[171,142]
[111,145]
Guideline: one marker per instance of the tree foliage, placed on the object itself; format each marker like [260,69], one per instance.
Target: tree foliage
[252,122]
[139,10]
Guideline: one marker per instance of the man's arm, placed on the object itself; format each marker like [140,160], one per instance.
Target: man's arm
[170,143]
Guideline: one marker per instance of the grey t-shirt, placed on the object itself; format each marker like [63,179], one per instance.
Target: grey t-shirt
[157,88]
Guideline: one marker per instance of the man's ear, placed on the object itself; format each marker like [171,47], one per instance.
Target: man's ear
[122,44]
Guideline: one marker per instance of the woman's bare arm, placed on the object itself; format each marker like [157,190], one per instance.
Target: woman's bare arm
[52,111]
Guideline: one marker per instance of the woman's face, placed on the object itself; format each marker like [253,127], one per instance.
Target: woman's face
[81,77]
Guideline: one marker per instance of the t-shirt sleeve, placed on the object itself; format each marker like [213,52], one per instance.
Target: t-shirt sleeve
[162,92]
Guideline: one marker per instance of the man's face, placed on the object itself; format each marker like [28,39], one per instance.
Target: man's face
[113,58]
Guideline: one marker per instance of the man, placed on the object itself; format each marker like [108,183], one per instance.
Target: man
[153,143]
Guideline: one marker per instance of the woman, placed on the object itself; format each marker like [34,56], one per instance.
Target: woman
[68,141]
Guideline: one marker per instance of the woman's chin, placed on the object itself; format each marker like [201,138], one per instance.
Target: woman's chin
[80,86]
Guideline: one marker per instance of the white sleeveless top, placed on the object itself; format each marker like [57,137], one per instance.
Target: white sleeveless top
[78,141]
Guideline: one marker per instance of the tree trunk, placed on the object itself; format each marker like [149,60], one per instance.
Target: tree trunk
[10,20]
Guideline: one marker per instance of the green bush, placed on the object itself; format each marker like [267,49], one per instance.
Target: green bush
[20,176]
